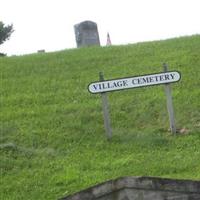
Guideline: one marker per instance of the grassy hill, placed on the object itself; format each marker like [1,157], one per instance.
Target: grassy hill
[52,135]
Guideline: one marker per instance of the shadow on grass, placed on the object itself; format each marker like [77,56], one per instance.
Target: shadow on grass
[145,139]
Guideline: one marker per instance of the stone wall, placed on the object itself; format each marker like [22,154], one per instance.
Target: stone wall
[141,188]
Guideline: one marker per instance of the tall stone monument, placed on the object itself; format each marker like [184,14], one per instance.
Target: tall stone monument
[86,34]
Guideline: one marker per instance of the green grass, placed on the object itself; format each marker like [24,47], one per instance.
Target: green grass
[52,136]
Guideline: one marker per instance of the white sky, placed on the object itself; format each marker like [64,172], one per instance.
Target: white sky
[48,24]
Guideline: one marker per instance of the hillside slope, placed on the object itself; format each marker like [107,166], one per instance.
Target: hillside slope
[52,135]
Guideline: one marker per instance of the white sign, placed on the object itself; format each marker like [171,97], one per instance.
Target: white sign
[134,82]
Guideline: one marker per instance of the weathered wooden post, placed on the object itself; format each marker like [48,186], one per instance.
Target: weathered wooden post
[169,103]
[105,107]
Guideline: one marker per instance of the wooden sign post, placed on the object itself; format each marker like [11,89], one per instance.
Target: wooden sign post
[104,86]
[169,103]
[105,107]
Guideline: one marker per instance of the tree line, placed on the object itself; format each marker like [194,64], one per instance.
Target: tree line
[5,33]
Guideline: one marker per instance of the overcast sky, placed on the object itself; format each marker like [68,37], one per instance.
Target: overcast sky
[48,24]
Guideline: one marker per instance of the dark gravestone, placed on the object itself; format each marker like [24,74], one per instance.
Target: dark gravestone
[86,34]
[41,51]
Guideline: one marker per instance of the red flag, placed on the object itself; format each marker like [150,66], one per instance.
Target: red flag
[108,40]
